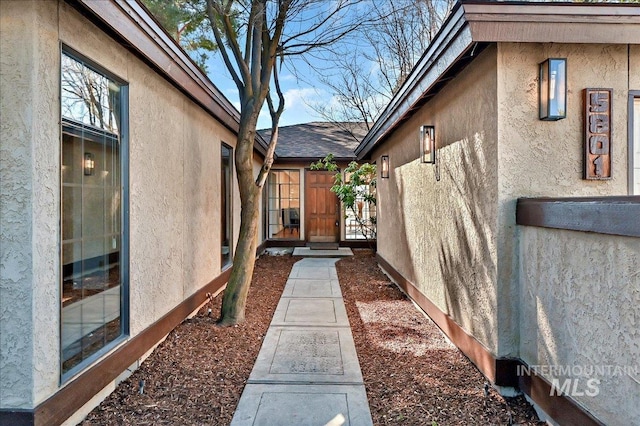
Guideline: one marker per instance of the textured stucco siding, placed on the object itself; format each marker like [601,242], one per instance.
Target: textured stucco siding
[634,67]
[29,198]
[541,158]
[441,236]
[581,308]
[174,173]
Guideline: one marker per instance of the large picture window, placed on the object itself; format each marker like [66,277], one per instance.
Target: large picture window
[283,204]
[226,202]
[93,227]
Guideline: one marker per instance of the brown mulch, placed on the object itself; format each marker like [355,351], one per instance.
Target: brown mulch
[412,373]
[196,376]
[413,376]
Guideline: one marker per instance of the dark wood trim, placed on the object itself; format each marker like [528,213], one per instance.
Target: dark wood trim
[474,350]
[360,244]
[308,160]
[261,247]
[300,243]
[285,243]
[603,215]
[500,371]
[78,392]
[16,417]
[562,409]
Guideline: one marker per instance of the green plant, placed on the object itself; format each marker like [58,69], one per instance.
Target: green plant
[354,190]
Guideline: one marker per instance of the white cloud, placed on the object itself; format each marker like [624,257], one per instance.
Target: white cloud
[297,109]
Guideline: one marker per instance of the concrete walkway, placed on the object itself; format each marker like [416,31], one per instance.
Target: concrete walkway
[307,371]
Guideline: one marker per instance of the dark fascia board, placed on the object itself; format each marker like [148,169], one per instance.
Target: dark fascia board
[535,22]
[603,215]
[138,31]
[290,160]
[453,39]
[473,21]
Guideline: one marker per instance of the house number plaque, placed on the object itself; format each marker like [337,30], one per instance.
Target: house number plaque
[597,144]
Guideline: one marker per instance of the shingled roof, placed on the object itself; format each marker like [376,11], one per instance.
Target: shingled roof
[312,141]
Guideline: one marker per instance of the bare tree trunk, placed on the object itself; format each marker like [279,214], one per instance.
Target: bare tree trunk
[235,295]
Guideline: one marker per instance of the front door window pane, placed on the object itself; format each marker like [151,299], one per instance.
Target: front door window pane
[283,204]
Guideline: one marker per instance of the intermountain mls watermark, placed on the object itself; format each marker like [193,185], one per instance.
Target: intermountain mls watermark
[578,380]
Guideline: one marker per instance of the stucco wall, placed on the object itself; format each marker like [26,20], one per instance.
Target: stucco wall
[541,158]
[634,67]
[578,292]
[29,193]
[174,149]
[441,236]
[581,309]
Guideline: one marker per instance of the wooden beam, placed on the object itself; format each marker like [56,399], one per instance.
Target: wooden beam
[603,215]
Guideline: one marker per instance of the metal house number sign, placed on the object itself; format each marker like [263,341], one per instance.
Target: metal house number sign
[597,144]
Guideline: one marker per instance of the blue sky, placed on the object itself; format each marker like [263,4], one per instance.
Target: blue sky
[297,93]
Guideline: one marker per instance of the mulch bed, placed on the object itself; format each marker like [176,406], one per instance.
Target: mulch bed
[412,374]
[196,376]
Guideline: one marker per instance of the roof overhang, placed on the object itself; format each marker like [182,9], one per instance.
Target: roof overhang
[132,25]
[473,25]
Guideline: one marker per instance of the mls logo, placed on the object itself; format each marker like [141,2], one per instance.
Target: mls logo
[574,387]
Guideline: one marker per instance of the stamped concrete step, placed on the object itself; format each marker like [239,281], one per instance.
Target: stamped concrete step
[319,355]
[303,405]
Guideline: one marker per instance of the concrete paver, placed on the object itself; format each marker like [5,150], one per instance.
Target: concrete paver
[310,312]
[306,251]
[301,288]
[308,355]
[307,371]
[303,405]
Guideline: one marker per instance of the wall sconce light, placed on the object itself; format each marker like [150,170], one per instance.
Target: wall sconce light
[428,144]
[553,89]
[89,164]
[384,167]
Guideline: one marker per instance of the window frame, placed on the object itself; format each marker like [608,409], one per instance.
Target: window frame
[124,256]
[632,143]
[267,210]
[228,206]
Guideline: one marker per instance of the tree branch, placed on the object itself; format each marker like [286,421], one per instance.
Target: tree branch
[212,10]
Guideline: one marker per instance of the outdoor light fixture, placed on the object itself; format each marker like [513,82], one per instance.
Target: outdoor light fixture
[428,144]
[384,167]
[553,89]
[89,164]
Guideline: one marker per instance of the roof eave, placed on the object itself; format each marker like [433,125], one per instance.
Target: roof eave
[130,22]
[475,22]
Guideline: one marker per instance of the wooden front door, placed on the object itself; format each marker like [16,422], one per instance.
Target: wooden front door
[322,211]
